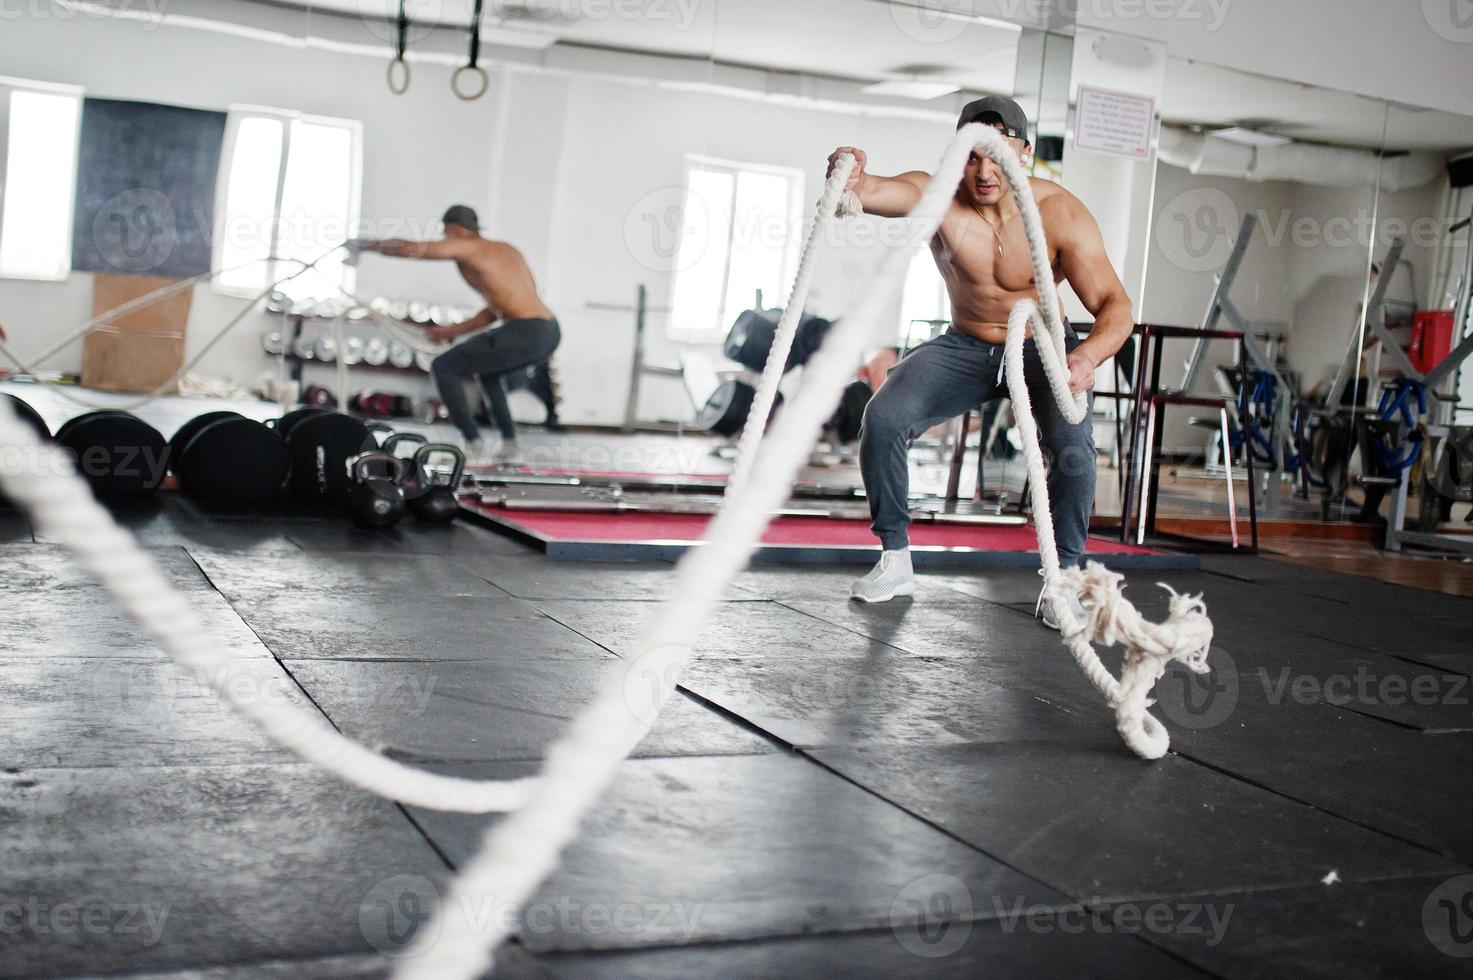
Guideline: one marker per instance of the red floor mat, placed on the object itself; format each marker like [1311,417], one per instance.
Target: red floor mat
[819,531]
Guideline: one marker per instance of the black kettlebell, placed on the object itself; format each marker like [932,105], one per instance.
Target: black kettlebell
[382,432]
[375,500]
[415,480]
[437,504]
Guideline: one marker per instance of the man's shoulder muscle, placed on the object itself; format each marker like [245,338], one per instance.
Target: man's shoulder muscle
[1063,214]
[487,252]
[500,251]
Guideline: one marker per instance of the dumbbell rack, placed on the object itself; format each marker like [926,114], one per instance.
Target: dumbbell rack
[298,321]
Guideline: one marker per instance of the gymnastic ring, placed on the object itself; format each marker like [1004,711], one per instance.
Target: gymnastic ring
[455,82]
[398,89]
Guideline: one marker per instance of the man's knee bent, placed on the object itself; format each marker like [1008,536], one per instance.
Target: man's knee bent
[886,420]
[1074,462]
[445,367]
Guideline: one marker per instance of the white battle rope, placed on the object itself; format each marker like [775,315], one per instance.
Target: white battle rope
[1109,618]
[43,480]
[787,326]
[520,851]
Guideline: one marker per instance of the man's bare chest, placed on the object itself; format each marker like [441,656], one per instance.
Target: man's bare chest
[966,248]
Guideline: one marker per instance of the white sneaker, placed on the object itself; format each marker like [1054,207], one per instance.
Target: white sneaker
[1045,608]
[891,577]
[478,451]
[509,455]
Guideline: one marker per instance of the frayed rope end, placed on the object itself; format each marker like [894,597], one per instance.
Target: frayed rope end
[849,205]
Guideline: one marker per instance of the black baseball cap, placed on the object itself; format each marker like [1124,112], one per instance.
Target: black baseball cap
[462,215]
[994,109]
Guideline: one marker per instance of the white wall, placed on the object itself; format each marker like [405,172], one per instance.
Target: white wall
[421,152]
[622,161]
[1409,51]
[1116,189]
[1413,51]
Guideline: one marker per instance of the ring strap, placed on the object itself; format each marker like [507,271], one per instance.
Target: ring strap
[471,62]
[401,45]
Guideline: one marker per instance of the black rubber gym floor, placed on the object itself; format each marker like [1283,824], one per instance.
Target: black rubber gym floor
[926,788]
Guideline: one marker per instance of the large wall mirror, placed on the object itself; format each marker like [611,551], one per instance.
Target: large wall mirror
[1264,220]
[1327,226]
[1412,345]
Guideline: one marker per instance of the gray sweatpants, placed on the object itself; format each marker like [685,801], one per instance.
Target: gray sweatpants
[511,346]
[940,380]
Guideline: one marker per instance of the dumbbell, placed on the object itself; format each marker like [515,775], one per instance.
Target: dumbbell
[319,447]
[227,458]
[750,338]
[119,454]
[319,397]
[187,431]
[31,418]
[380,405]
[726,411]
[287,422]
[843,425]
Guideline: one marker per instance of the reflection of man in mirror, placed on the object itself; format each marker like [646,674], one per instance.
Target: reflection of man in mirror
[983,256]
[525,333]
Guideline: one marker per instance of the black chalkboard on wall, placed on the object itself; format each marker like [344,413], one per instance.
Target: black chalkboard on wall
[146,188]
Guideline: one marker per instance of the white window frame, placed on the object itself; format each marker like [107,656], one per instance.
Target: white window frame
[234,116]
[49,88]
[791,248]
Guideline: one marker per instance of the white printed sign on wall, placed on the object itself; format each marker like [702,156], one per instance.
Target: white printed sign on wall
[1117,123]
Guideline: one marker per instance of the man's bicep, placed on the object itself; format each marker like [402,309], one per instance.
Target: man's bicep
[918,179]
[445,249]
[448,248]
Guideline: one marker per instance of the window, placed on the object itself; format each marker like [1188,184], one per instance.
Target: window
[924,298]
[291,191]
[39,177]
[743,229]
